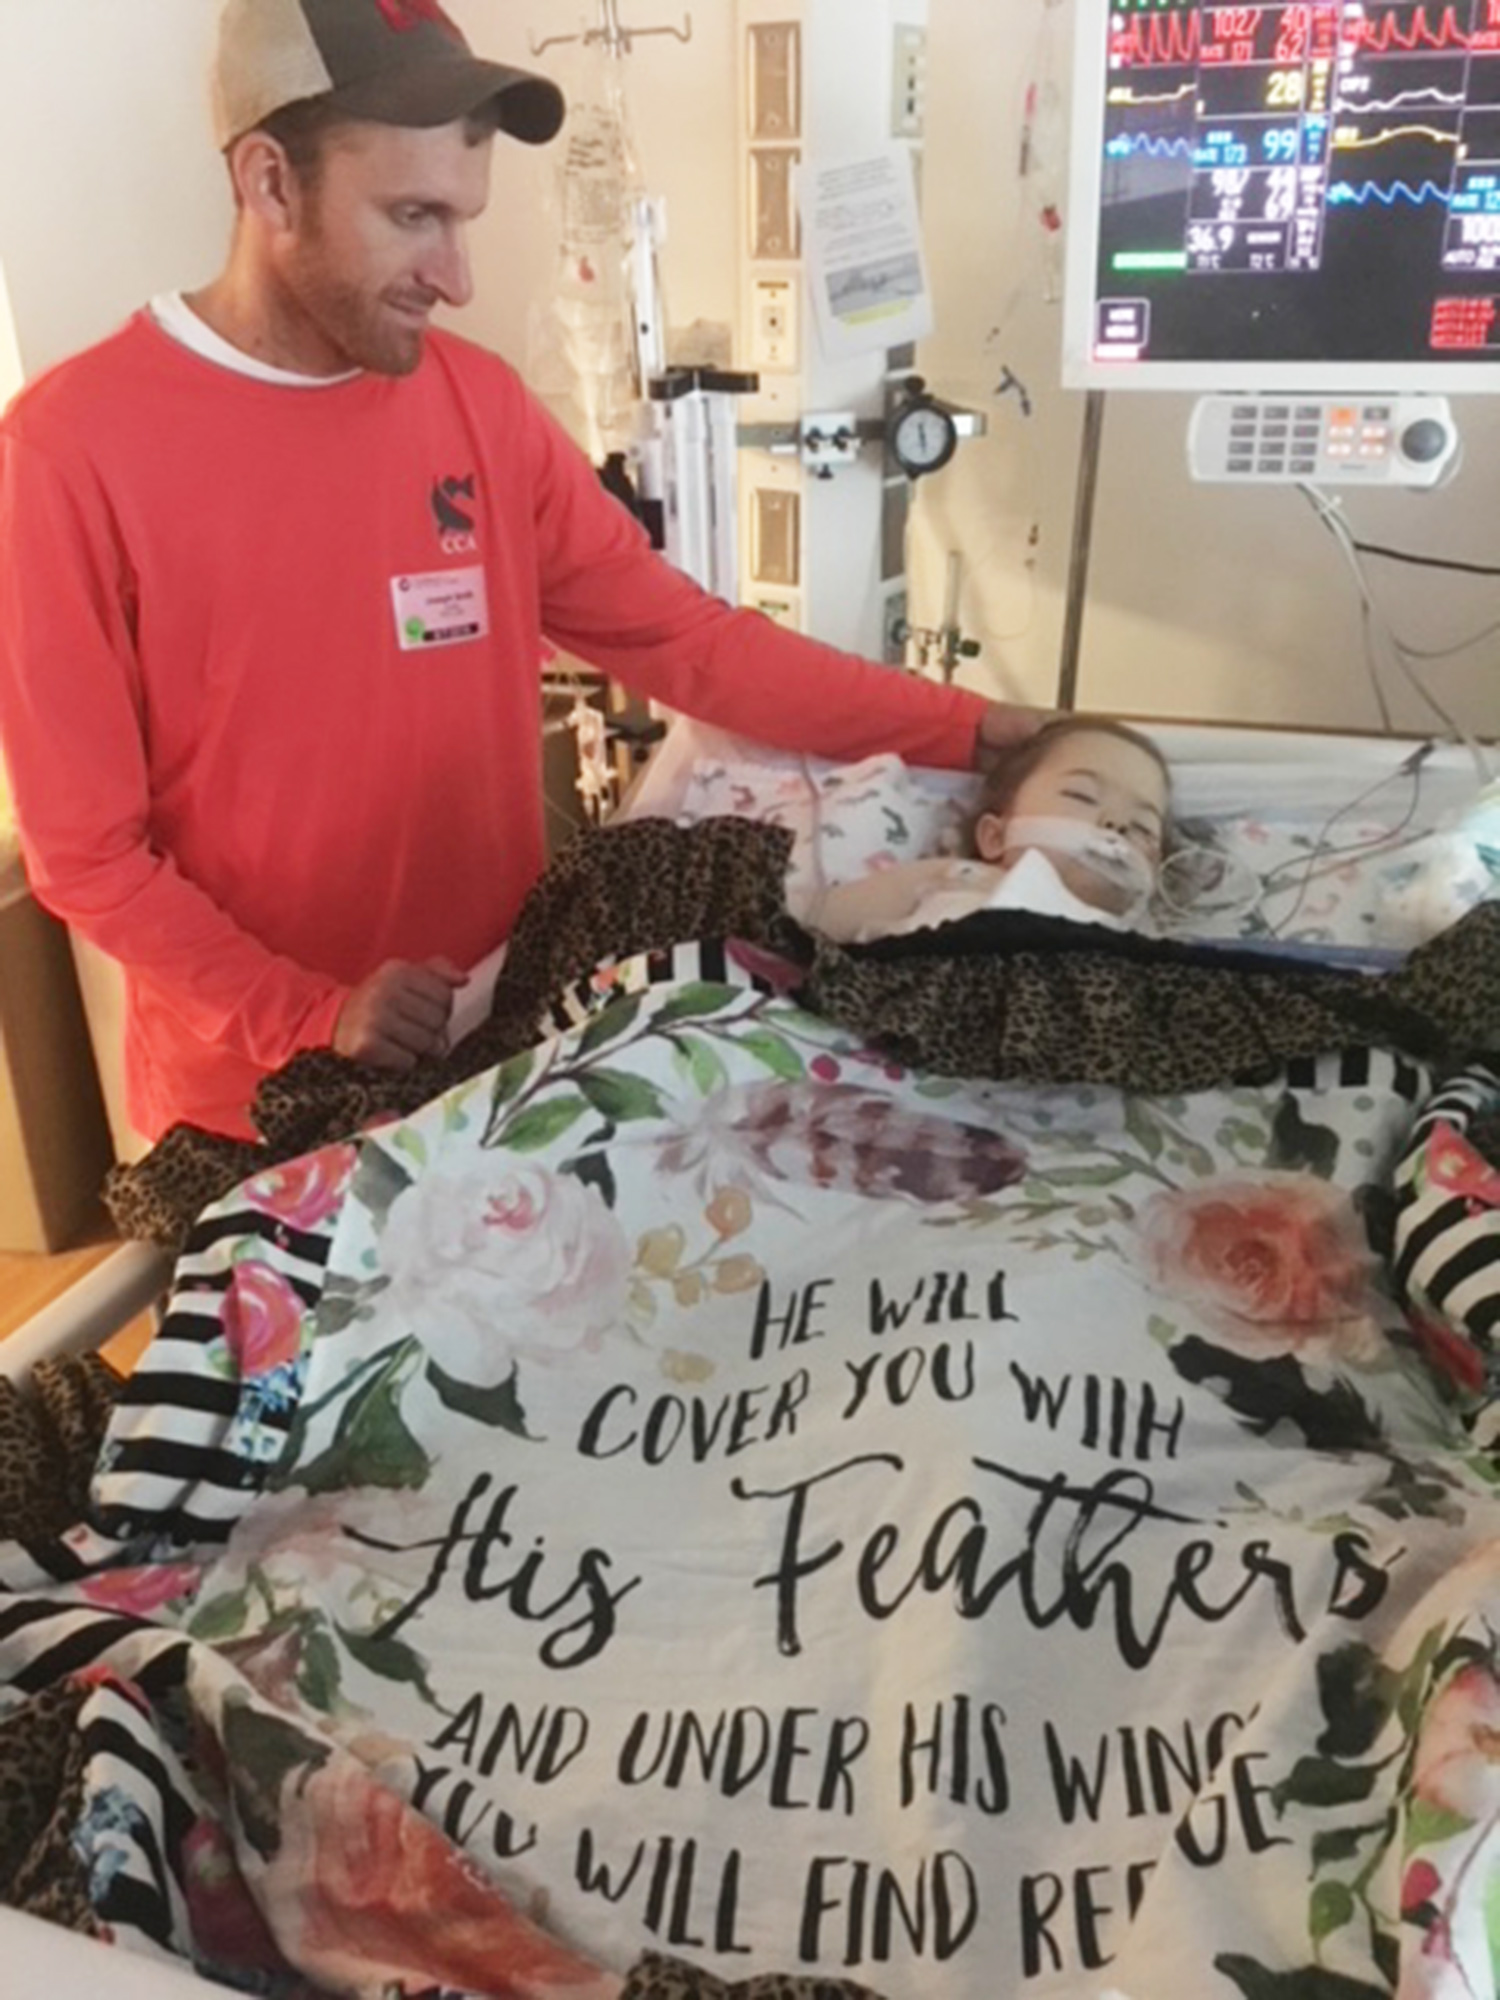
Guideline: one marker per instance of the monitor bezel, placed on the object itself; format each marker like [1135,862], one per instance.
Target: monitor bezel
[1080,367]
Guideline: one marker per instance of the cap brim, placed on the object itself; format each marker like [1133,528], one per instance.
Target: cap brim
[525,106]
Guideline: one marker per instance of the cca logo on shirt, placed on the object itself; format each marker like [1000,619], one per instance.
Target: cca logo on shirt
[455,527]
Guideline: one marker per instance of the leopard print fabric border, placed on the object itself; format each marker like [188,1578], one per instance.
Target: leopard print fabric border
[656,1977]
[41,1797]
[49,1442]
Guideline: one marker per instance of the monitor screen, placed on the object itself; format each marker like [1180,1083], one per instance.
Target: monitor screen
[1298,194]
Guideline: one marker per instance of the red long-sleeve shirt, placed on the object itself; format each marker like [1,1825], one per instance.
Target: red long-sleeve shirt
[230,770]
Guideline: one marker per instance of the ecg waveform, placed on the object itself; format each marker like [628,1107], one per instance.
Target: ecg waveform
[1362,193]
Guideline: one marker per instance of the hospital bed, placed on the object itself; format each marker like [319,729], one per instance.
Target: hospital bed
[1050,1314]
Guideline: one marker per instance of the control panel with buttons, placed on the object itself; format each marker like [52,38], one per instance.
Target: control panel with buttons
[1323,440]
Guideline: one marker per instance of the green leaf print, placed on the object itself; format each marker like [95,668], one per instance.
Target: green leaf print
[617,1019]
[1143,1128]
[1427,1825]
[535,1128]
[702,1063]
[379,1181]
[777,1054]
[319,1670]
[692,1003]
[1329,1908]
[222,1617]
[262,1751]
[510,1080]
[499,1407]
[1085,1177]
[391,1659]
[371,1443]
[344,1301]
[619,1097]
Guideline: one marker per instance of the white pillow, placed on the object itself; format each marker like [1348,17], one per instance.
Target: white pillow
[847,820]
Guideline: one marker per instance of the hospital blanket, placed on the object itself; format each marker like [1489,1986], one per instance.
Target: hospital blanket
[704,1487]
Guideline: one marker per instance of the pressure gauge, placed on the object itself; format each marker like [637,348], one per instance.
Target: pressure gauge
[923,436]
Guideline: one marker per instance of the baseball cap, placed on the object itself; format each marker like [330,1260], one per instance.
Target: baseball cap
[394,62]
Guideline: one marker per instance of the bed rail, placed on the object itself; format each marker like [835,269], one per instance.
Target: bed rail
[128,1282]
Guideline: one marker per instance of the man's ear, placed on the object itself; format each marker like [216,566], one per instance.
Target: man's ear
[989,836]
[263,177]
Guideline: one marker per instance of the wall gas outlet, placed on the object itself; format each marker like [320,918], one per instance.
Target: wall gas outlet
[774,325]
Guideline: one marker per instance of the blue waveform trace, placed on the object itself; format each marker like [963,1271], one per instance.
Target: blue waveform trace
[1129,143]
[1343,192]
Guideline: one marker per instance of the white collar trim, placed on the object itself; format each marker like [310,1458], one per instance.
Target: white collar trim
[175,316]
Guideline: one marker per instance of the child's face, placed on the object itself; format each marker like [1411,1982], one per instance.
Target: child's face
[1094,777]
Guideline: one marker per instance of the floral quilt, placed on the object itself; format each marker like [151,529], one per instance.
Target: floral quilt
[703,1489]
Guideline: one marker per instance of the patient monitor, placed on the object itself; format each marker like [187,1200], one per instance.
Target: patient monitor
[1296,208]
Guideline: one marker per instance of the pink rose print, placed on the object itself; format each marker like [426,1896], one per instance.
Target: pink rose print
[140,1592]
[1458,1749]
[1420,1885]
[304,1192]
[1273,1265]
[384,1898]
[500,1260]
[262,1320]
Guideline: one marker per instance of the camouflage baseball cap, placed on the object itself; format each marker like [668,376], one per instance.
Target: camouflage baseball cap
[394,62]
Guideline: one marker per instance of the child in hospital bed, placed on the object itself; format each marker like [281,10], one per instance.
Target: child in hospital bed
[1071,824]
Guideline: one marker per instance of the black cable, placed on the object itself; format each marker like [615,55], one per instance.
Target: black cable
[1426,562]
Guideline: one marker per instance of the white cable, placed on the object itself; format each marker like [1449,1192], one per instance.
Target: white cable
[1401,654]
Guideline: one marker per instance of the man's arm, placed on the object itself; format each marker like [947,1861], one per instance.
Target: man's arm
[608,599]
[73,713]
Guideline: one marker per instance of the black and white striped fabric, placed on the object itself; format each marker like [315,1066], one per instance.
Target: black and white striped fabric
[1447,1228]
[187,1448]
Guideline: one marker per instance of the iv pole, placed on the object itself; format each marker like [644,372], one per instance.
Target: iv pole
[1083,547]
[615,36]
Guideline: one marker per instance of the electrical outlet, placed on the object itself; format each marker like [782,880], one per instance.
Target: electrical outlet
[909,84]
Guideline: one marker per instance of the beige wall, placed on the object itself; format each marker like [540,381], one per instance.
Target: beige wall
[1205,602]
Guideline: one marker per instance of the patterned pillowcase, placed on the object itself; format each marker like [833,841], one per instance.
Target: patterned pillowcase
[1275,878]
[1285,883]
[847,820]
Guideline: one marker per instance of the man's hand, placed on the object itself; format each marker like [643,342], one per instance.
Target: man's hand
[399,1014]
[1002,726]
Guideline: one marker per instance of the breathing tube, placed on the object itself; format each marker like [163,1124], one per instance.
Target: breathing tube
[1117,864]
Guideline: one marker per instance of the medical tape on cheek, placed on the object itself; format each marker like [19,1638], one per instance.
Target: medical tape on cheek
[1107,854]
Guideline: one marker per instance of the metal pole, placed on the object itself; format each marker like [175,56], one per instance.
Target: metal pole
[1083,546]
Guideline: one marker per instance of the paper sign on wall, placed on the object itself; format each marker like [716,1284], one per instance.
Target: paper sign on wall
[863,246]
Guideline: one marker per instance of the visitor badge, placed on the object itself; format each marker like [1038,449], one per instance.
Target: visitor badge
[442,607]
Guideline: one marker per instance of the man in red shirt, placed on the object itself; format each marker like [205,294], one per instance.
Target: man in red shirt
[279,565]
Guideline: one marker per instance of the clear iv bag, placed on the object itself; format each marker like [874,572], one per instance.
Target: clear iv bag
[589,360]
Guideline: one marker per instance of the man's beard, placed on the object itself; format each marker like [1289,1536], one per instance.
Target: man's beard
[357,324]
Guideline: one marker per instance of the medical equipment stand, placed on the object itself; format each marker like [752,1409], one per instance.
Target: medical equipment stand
[1085,501]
